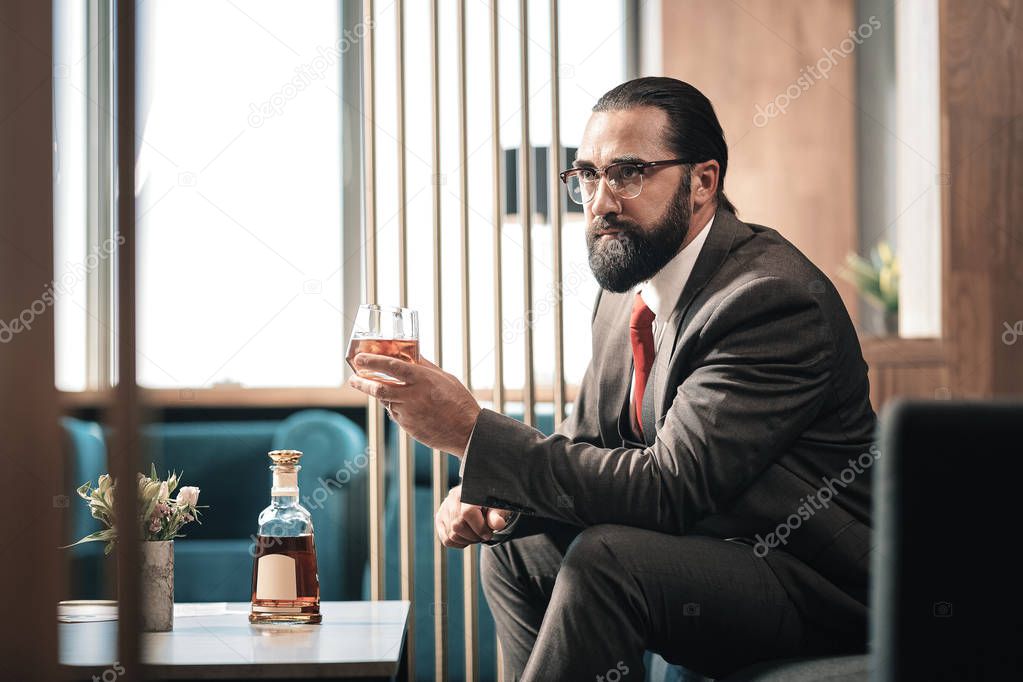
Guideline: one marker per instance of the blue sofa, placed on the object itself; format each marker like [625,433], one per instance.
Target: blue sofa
[228,461]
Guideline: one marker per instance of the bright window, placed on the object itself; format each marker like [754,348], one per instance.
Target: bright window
[70,109]
[241,164]
[239,194]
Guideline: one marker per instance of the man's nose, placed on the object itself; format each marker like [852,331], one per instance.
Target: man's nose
[605,200]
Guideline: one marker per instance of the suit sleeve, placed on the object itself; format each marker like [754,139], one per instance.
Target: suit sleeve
[762,372]
[579,427]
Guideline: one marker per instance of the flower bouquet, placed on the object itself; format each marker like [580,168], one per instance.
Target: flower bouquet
[160,516]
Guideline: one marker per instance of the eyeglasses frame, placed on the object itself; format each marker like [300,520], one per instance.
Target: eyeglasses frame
[641,166]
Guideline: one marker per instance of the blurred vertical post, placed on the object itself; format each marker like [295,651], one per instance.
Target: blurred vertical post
[124,417]
[29,430]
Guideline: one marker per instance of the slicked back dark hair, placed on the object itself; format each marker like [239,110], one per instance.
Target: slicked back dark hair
[693,129]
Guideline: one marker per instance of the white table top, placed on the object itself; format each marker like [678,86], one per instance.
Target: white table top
[216,641]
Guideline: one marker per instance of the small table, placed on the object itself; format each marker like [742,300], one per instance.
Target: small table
[360,640]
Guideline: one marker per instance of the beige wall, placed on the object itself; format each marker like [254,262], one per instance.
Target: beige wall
[796,172]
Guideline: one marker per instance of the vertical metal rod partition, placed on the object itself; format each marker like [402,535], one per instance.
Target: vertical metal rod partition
[554,195]
[498,223]
[440,468]
[374,410]
[440,459]
[470,555]
[498,213]
[525,216]
[406,467]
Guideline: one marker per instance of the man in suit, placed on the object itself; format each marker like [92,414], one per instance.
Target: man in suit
[709,496]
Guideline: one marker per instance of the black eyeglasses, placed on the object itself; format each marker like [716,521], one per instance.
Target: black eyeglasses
[625,178]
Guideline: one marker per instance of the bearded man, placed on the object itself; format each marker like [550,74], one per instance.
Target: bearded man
[708,499]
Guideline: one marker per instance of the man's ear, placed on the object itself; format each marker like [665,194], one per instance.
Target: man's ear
[704,183]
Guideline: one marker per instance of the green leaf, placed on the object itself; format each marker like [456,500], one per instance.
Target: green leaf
[99,536]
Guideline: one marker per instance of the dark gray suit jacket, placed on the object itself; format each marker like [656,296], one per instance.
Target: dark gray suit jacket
[759,401]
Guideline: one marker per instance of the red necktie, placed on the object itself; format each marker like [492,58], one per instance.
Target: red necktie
[641,333]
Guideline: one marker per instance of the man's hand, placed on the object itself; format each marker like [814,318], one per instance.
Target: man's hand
[460,525]
[432,406]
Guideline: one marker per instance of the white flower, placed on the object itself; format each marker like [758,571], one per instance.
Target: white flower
[163,494]
[188,494]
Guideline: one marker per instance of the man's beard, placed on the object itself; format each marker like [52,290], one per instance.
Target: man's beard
[631,256]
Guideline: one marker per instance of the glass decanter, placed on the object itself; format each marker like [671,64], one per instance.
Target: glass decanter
[285,585]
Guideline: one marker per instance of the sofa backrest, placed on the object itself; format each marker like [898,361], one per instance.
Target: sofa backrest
[227,460]
[85,439]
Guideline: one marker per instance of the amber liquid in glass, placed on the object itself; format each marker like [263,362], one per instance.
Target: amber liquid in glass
[290,590]
[402,349]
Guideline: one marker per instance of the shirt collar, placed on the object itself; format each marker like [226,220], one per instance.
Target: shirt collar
[661,292]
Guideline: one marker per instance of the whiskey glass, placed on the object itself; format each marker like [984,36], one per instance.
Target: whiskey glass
[384,330]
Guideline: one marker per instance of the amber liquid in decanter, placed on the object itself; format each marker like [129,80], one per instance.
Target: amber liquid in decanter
[285,584]
[304,605]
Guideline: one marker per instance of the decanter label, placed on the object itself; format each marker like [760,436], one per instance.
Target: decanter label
[275,578]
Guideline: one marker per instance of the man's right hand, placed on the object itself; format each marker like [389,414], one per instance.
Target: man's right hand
[460,525]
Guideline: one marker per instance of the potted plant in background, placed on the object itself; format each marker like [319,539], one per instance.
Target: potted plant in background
[877,280]
[161,518]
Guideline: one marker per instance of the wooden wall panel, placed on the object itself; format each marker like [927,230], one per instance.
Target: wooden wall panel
[915,368]
[981,52]
[795,172]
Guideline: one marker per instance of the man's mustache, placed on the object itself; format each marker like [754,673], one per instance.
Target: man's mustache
[602,224]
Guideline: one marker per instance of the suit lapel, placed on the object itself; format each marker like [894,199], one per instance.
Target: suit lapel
[615,368]
[715,249]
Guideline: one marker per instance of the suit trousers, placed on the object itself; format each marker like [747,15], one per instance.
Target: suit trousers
[584,604]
